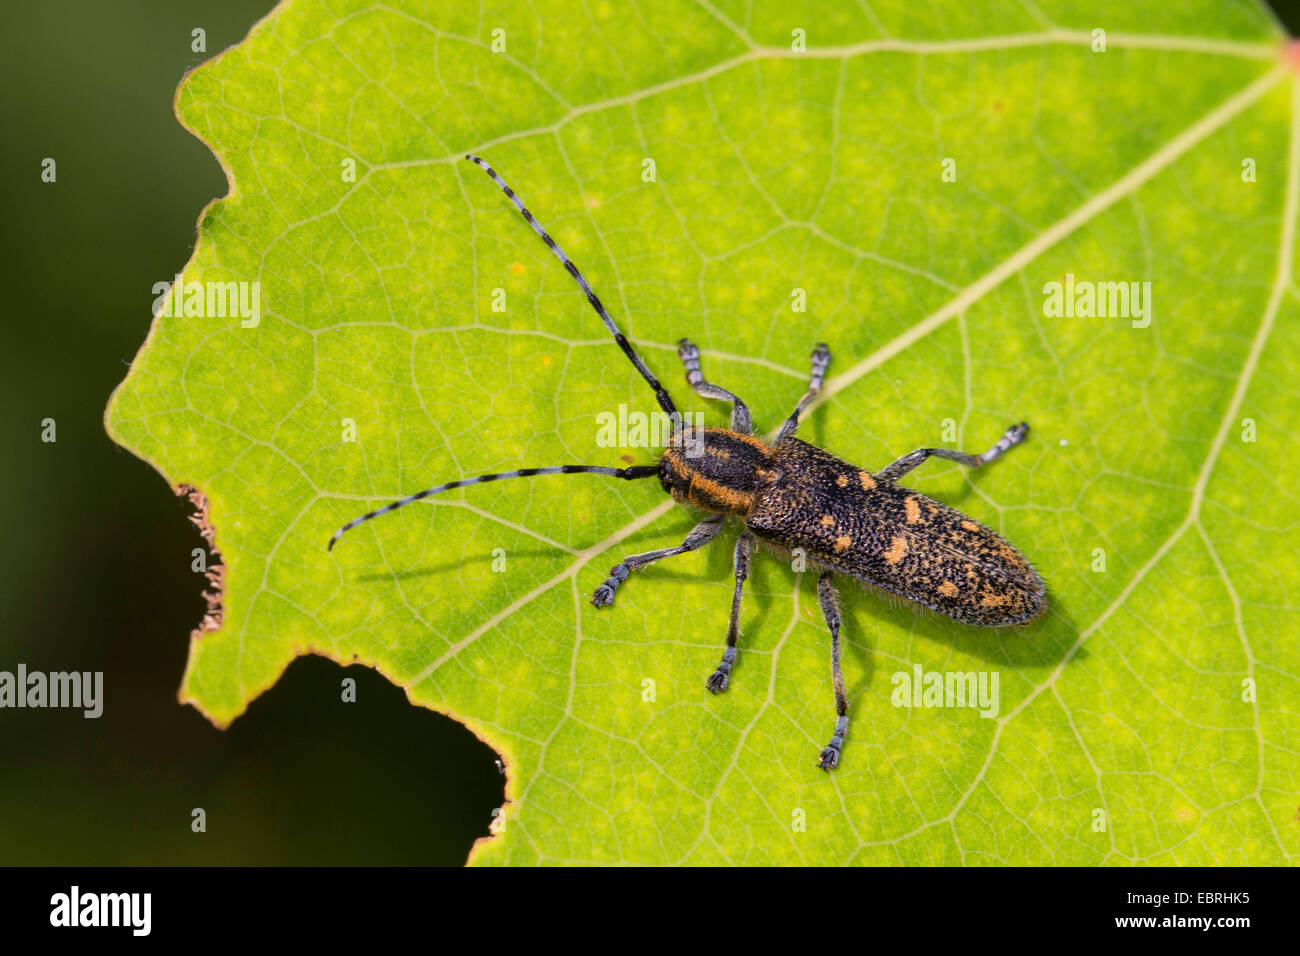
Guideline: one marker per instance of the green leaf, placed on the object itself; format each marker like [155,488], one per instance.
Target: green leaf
[1127,704]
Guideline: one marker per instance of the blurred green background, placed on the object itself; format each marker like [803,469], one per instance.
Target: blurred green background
[95,562]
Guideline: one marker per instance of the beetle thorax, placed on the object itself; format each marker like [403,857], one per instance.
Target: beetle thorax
[715,469]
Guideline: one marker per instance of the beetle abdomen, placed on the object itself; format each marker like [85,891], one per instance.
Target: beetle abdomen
[848,521]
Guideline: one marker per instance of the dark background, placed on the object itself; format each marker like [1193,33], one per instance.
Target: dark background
[95,556]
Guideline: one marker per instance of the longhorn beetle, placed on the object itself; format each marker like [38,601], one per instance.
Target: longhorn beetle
[793,496]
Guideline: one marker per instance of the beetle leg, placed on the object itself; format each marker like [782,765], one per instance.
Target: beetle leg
[719,679]
[1014,436]
[830,757]
[821,357]
[690,356]
[700,535]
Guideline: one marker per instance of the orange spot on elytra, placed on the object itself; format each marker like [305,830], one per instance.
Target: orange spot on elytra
[948,589]
[913,510]
[897,550]
[1011,556]
[842,543]
[827,521]
[970,526]
[842,481]
[866,481]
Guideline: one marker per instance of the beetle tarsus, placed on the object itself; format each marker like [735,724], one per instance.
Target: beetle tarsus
[719,679]
[830,758]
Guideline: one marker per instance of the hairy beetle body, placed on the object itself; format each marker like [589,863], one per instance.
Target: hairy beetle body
[853,523]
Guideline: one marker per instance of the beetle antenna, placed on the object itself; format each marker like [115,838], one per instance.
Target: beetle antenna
[627,474]
[665,401]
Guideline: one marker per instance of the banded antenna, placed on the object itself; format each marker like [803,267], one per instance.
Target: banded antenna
[665,400]
[627,474]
